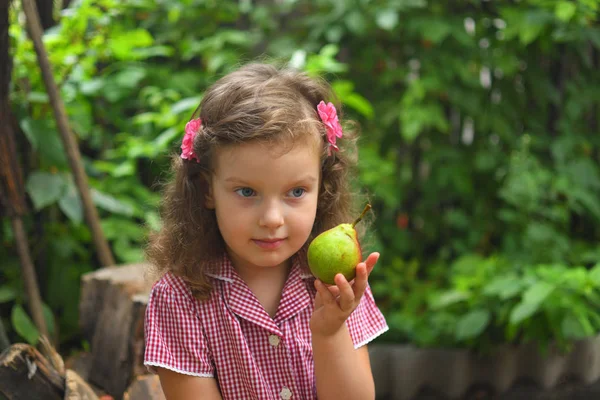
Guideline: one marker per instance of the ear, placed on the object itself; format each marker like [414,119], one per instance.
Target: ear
[209,201]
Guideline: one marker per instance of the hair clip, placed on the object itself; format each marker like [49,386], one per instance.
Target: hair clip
[329,116]
[187,145]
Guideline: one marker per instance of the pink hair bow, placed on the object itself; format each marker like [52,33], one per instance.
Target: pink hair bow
[187,145]
[329,116]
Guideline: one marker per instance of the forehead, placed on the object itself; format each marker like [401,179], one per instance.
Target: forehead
[255,161]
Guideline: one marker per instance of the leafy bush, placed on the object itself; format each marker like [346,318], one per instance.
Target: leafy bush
[484,302]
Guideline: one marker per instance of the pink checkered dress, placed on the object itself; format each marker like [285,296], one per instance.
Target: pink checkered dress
[231,337]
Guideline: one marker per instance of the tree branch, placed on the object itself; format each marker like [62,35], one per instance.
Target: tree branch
[68,139]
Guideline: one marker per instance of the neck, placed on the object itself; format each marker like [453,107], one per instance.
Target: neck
[276,275]
[270,275]
[265,282]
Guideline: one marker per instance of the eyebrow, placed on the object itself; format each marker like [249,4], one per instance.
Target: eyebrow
[307,178]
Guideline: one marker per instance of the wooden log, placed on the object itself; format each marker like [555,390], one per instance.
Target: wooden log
[112,307]
[145,387]
[81,364]
[25,374]
[76,388]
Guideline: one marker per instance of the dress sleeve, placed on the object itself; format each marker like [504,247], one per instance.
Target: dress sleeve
[173,332]
[366,322]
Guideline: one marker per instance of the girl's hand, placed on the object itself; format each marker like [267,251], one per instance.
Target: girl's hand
[334,304]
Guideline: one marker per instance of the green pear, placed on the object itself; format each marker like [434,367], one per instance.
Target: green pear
[336,251]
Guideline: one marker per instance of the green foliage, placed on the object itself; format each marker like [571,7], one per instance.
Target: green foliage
[479,146]
[482,302]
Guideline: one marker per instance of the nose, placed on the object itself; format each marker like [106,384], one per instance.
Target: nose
[272,215]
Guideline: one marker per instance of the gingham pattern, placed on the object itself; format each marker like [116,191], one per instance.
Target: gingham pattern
[231,337]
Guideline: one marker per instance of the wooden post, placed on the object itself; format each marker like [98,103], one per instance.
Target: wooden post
[68,139]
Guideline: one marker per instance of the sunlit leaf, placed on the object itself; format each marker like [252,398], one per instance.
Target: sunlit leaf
[23,325]
[49,318]
[110,203]
[92,87]
[472,324]
[44,138]
[387,19]
[538,293]
[522,311]
[565,10]
[345,92]
[130,77]
[45,188]
[70,203]
[449,298]
[595,275]
[122,44]
[571,327]
[504,287]
[186,105]
[356,22]
[7,293]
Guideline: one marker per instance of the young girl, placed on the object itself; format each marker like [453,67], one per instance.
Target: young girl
[236,313]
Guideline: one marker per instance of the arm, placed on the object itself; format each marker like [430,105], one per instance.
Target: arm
[341,372]
[178,386]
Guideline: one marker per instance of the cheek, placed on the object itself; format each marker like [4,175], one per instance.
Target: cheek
[305,219]
[229,220]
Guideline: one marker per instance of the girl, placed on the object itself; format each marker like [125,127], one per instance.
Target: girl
[236,313]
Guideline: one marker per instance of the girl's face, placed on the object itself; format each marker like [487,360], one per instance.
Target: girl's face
[265,203]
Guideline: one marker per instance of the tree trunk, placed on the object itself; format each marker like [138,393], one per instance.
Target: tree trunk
[46,12]
[112,307]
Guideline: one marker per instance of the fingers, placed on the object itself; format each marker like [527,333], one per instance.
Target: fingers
[347,294]
[318,301]
[346,299]
[334,290]
[371,261]
[326,296]
[360,282]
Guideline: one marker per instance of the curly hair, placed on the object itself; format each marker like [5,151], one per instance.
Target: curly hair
[259,103]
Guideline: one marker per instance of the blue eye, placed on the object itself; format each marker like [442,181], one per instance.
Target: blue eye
[245,192]
[297,192]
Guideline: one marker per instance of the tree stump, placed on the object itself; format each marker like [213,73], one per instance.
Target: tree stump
[25,374]
[112,307]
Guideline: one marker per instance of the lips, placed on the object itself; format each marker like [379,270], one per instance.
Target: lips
[268,244]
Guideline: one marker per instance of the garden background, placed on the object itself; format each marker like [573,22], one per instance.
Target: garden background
[479,150]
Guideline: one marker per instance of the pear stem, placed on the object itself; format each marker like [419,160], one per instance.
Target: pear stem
[367,208]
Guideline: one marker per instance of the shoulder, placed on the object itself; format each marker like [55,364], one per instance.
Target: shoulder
[172,291]
[174,332]
[171,284]
[172,303]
